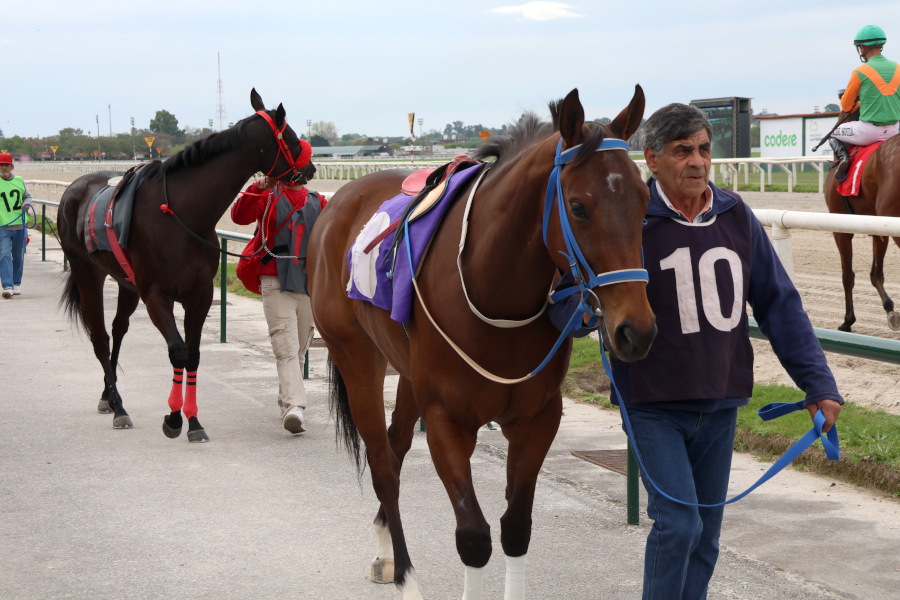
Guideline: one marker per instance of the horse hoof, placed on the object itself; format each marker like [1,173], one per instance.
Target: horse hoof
[382,570]
[171,432]
[103,407]
[123,422]
[894,320]
[198,435]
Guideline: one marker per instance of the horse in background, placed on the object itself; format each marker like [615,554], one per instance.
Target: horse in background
[879,195]
[171,263]
[508,271]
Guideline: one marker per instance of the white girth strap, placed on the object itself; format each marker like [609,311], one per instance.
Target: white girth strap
[502,323]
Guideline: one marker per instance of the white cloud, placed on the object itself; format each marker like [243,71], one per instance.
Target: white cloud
[539,11]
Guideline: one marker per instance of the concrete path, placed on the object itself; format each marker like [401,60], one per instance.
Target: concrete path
[91,512]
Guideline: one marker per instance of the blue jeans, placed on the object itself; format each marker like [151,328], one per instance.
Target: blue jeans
[688,455]
[18,255]
[6,257]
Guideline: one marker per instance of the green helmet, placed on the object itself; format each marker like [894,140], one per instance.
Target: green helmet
[870,35]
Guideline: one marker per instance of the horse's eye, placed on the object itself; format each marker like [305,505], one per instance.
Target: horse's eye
[579,210]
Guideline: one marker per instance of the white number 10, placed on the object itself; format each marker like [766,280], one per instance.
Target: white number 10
[680,261]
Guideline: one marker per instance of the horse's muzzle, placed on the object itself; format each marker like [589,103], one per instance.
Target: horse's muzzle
[631,342]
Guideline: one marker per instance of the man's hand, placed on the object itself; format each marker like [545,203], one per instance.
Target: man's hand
[830,410]
[265,183]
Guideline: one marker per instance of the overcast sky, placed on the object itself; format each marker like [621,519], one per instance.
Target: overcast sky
[365,64]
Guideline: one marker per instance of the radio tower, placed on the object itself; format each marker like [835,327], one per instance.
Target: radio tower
[221,115]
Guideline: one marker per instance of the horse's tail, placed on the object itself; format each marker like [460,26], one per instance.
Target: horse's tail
[70,302]
[346,432]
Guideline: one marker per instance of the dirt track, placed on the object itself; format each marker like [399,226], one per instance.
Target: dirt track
[817,270]
[818,277]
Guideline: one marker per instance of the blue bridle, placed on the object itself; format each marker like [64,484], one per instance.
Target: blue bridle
[585,279]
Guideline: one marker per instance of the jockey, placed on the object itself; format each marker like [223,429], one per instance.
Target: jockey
[876,83]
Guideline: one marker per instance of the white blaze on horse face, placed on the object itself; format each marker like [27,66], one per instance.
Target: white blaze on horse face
[515,577]
[611,181]
[474,583]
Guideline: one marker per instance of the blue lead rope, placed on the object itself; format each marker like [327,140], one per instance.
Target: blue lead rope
[766,413]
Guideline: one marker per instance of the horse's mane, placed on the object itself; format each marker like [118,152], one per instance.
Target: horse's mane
[199,152]
[530,128]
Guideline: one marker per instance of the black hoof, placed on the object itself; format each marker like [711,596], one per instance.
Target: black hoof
[198,435]
[172,425]
[196,432]
[103,407]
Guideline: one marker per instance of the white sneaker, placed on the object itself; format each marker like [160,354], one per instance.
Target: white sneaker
[7,293]
[17,291]
[293,420]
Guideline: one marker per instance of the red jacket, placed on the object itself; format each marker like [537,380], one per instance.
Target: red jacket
[250,208]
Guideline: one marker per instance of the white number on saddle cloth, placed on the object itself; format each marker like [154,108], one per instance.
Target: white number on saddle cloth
[363,266]
[680,262]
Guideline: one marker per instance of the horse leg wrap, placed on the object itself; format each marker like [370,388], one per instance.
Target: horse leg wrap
[474,583]
[190,395]
[175,400]
[515,578]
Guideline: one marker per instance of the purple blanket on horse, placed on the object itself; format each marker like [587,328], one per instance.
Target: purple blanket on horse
[369,279]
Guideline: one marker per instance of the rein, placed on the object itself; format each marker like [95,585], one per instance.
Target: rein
[574,255]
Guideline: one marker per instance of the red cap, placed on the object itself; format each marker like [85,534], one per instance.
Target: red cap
[6,159]
[305,155]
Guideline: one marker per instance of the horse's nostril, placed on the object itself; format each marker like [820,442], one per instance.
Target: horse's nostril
[630,344]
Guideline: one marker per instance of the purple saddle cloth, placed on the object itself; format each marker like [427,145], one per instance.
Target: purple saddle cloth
[395,292]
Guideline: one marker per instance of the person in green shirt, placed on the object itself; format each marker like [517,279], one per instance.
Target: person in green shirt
[13,199]
[876,82]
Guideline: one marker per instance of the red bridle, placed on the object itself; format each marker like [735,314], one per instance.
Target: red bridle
[283,148]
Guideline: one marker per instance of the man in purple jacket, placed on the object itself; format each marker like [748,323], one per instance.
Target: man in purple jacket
[708,257]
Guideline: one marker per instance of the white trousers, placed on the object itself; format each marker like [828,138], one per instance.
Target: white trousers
[861,133]
[290,321]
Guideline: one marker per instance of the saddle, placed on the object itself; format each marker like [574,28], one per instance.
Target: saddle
[851,186]
[112,231]
[427,186]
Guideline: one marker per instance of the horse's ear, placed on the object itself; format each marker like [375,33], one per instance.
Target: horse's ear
[629,119]
[255,101]
[571,119]
[279,115]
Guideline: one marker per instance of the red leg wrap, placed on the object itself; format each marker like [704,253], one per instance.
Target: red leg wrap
[190,395]
[175,401]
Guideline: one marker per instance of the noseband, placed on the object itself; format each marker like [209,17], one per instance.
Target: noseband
[585,279]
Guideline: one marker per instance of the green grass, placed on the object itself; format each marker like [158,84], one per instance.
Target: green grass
[232,283]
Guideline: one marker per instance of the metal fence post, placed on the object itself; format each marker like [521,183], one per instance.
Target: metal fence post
[223,286]
[43,233]
[634,513]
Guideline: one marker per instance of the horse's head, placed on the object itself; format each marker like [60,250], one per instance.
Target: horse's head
[289,156]
[605,200]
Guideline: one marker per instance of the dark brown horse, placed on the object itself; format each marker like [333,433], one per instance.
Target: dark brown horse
[508,271]
[198,184]
[879,195]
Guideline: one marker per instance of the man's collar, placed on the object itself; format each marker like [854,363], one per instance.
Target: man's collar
[704,211]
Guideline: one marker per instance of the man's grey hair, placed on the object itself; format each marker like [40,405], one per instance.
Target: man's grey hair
[674,122]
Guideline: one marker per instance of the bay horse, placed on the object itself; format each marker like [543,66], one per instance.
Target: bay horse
[508,271]
[170,265]
[879,195]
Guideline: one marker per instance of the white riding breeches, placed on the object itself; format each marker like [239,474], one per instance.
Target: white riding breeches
[862,133]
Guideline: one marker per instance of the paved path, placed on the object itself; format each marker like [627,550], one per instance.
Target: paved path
[91,512]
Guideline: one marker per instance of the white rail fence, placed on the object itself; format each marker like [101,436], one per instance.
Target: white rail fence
[729,168]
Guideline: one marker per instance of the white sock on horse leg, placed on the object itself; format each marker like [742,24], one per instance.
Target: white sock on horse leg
[515,578]
[474,583]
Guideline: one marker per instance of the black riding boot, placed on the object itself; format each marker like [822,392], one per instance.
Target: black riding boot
[840,153]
